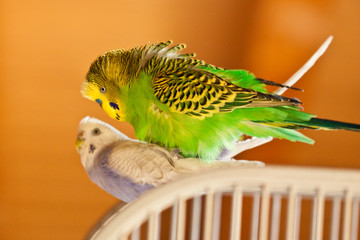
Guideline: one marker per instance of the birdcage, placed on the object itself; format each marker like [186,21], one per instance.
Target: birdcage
[243,203]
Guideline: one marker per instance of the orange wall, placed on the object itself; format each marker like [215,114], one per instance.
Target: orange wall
[47,46]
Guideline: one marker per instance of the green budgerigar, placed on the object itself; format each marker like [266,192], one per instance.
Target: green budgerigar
[180,102]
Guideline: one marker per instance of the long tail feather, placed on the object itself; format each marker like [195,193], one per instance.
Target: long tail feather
[271,83]
[319,123]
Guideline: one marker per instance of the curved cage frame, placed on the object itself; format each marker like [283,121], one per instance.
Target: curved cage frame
[267,186]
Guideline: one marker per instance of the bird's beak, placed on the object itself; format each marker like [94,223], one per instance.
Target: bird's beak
[79,141]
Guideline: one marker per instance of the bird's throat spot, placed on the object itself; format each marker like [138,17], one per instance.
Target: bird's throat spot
[92,148]
[114,105]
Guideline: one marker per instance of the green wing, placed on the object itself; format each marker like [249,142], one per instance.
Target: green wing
[239,77]
[188,86]
[198,94]
[245,79]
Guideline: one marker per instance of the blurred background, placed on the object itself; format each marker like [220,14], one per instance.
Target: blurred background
[46,49]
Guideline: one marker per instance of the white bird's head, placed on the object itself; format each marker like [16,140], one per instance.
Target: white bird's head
[92,136]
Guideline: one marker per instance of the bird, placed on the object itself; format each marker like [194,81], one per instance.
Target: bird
[177,101]
[127,168]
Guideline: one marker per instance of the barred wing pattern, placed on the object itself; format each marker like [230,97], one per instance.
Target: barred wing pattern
[181,83]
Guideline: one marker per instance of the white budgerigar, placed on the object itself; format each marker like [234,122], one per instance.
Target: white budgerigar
[127,168]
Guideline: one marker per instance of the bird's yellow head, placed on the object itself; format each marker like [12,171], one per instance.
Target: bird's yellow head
[105,93]
[109,78]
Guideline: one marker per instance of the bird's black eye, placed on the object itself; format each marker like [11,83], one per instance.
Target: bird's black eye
[96,132]
[103,89]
